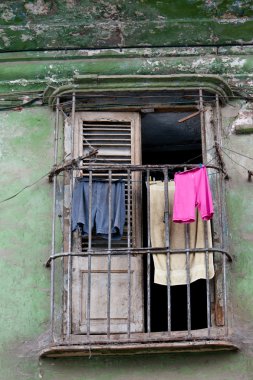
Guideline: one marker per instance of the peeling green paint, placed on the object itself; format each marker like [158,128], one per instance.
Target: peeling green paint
[26,139]
[34,74]
[40,24]
[25,282]
[25,287]
[244,130]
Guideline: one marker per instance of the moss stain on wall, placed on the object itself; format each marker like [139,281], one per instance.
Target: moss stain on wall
[26,143]
[32,25]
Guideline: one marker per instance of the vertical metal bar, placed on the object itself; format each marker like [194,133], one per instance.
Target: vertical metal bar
[224,262]
[223,216]
[221,298]
[217,104]
[188,278]
[219,205]
[167,243]
[56,132]
[223,244]
[203,127]
[204,155]
[208,305]
[89,254]
[148,256]
[52,274]
[188,275]
[69,273]
[109,256]
[129,254]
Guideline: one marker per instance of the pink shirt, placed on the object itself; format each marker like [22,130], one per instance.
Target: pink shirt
[192,190]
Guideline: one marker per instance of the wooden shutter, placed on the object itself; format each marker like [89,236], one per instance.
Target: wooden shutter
[116,135]
[111,138]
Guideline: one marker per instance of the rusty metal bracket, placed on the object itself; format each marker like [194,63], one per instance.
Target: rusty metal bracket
[69,164]
[221,161]
[190,116]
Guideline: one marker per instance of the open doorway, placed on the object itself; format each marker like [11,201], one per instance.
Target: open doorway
[166,140]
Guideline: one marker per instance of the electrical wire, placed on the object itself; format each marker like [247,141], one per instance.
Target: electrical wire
[200,155]
[24,188]
[80,97]
[107,106]
[240,154]
[27,104]
[235,162]
[45,175]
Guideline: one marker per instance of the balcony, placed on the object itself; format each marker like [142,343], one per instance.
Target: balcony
[108,296]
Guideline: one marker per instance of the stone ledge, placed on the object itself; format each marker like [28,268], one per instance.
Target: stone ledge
[139,348]
[244,129]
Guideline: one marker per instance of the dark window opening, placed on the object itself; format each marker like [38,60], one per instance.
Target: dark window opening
[166,141]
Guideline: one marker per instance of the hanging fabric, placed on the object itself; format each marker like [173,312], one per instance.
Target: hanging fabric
[99,208]
[192,190]
[178,273]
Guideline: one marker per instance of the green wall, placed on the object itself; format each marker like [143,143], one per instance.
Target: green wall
[41,24]
[119,33]
[26,139]
[27,155]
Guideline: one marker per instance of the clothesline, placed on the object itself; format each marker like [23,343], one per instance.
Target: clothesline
[38,180]
[184,163]
[240,154]
[242,166]
[130,180]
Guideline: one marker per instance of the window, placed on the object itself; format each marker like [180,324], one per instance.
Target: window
[110,300]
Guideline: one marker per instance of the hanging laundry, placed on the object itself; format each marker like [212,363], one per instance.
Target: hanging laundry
[178,273]
[99,207]
[192,190]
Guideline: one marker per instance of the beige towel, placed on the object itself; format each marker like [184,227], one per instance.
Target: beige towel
[178,274]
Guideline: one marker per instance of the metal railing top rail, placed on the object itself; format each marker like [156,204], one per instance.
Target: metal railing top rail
[99,166]
[137,251]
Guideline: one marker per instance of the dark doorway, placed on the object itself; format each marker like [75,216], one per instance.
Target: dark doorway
[166,141]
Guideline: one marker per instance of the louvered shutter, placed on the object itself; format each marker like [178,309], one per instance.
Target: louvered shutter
[116,135]
[111,138]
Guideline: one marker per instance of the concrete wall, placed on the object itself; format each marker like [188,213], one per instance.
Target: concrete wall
[41,24]
[26,154]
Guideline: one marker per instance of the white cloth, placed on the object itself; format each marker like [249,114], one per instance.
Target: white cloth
[178,273]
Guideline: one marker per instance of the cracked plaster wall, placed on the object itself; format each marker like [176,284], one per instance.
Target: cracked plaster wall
[26,141]
[33,71]
[40,24]
[26,138]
